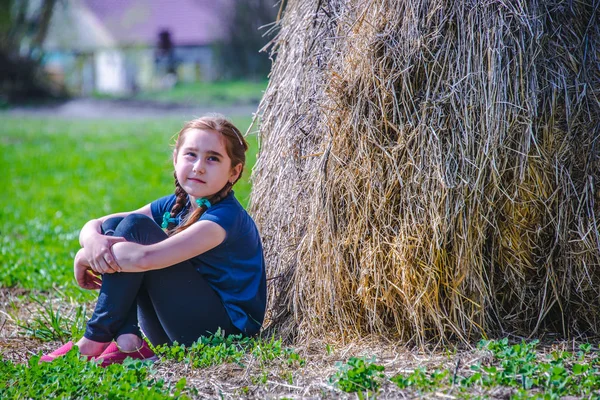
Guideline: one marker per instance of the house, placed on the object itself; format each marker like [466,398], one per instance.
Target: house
[122,46]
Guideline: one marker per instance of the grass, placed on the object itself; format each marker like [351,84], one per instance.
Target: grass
[220,93]
[518,367]
[70,377]
[219,349]
[58,174]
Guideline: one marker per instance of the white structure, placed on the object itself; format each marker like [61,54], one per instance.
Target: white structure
[109,46]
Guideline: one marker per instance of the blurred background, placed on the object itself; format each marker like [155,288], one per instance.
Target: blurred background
[95,90]
[181,51]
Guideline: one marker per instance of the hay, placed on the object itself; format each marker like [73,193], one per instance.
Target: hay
[428,169]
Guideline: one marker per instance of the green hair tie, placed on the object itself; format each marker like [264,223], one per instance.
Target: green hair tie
[167,220]
[203,202]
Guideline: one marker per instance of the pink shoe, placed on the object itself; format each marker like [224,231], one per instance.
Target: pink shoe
[61,351]
[114,355]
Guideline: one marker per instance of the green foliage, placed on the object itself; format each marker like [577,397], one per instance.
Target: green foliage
[328,349]
[421,380]
[517,366]
[294,358]
[59,174]
[260,379]
[219,349]
[50,324]
[70,377]
[239,54]
[358,375]
[560,374]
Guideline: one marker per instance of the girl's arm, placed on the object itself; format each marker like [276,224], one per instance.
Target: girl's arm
[97,246]
[197,239]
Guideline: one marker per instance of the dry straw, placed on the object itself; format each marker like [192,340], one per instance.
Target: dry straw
[428,169]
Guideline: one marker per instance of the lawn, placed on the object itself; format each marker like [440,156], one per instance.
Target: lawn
[57,174]
[218,93]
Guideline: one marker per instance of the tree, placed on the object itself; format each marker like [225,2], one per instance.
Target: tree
[247,35]
[23,28]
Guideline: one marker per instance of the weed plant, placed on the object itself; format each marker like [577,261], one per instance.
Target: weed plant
[219,349]
[359,375]
[50,324]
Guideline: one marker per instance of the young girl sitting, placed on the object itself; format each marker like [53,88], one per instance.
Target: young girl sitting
[205,271]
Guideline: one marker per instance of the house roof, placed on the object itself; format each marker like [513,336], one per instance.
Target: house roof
[90,24]
[139,21]
[75,27]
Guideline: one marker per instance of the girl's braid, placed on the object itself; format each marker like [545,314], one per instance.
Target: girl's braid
[180,202]
[214,199]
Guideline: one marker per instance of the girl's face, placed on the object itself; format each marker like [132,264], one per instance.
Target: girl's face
[202,165]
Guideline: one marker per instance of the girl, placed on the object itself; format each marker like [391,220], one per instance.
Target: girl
[205,271]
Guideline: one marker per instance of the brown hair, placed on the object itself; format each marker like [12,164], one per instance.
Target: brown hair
[236,147]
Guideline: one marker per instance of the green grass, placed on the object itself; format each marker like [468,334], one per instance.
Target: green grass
[223,93]
[69,377]
[219,349]
[58,174]
[521,367]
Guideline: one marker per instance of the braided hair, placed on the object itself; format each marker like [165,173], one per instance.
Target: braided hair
[236,147]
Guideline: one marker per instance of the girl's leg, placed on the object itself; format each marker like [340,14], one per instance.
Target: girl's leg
[175,304]
[116,309]
[149,321]
[180,306]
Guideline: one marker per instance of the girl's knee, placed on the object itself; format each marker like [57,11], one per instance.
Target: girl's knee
[136,219]
[110,225]
[120,226]
[133,223]
[139,228]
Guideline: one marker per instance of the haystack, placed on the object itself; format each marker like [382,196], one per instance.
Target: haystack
[429,169]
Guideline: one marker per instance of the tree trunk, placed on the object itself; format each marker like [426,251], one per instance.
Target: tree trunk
[40,36]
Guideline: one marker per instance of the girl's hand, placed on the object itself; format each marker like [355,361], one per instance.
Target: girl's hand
[100,256]
[86,278]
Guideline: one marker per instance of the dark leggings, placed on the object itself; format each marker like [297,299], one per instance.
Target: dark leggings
[171,304]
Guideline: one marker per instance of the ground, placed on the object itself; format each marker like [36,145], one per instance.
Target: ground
[84,108]
[275,379]
[447,372]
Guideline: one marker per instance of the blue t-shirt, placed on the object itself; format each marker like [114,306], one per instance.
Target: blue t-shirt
[235,269]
